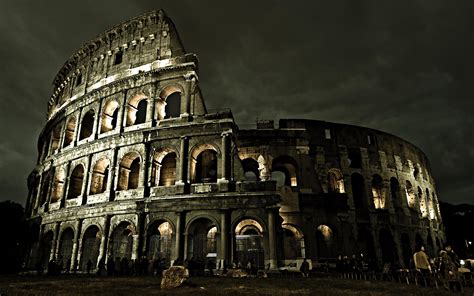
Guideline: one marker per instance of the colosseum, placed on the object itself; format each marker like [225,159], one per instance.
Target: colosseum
[133,165]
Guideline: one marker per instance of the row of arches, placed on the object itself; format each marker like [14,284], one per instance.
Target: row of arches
[168,105]
[130,170]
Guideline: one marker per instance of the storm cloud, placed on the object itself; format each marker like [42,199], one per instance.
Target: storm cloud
[404,67]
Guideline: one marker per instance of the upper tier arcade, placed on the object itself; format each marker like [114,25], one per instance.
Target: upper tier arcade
[147,42]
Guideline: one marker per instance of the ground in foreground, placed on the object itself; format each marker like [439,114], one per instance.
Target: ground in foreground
[87,285]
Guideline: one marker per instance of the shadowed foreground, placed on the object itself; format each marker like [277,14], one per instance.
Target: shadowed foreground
[75,285]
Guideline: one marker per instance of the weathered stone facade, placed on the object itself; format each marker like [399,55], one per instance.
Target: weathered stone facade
[132,164]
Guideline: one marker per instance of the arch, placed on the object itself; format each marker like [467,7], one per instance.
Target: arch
[288,166]
[335,181]
[163,170]
[70,131]
[293,242]
[411,198]
[171,97]
[378,194]
[45,187]
[387,246]
[75,182]
[129,171]
[65,248]
[406,249]
[136,109]
[58,185]
[365,242]
[395,192]
[325,241]
[100,176]
[160,240]
[248,242]
[109,116]
[87,125]
[204,164]
[358,190]
[56,138]
[122,241]
[423,205]
[202,242]
[251,171]
[280,178]
[91,240]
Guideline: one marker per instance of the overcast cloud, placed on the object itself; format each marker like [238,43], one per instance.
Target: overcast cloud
[404,67]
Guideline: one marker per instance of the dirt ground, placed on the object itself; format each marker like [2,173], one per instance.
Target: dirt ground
[92,285]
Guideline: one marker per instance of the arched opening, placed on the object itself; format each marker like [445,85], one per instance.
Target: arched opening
[90,246]
[430,246]
[358,190]
[249,243]
[406,249]
[293,243]
[251,171]
[55,139]
[75,182]
[335,181]
[58,185]
[45,248]
[100,175]
[65,248]
[419,242]
[423,206]
[160,242]
[168,170]
[45,187]
[122,241]
[365,242]
[325,242]
[87,125]
[355,159]
[395,193]
[136,110]
[202,243]
[378,193]
[279,177]
[173,105]
[206,167]
[287,166]
[411,198]
[387,246]
[109,116]
[129,171]
[70,130]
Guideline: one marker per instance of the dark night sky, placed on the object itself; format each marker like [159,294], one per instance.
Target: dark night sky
[404,67]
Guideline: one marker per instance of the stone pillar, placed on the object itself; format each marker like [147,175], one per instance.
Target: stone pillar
[178,252]
[272,256]
[55,243]
[104,240]
[135,243]
[223,181]
[224,250]
[182,177]
[186,101]
[78,128]
[75,244]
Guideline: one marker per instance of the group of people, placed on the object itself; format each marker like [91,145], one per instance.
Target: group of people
[446,265]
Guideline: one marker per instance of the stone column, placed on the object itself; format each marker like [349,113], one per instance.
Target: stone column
[224,252]
[186,101]
[223,181]
[55,243]
[178,252]
[135,243]
[272,258]
[75,244]
[104,240]
[182,162]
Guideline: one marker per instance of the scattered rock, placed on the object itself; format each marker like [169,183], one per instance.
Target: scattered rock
[237,273]
[174,277]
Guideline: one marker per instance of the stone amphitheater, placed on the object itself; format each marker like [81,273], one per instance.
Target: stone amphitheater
[133,165]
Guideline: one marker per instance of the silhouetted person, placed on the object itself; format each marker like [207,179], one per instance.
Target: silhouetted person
[304,268]
[110,267]
[89,266]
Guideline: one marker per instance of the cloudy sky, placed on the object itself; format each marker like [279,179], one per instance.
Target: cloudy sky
[404,67]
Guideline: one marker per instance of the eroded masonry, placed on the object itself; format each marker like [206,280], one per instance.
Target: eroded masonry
[132,164]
